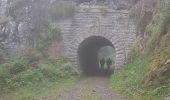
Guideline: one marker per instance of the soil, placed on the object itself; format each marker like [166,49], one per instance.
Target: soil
[90,88]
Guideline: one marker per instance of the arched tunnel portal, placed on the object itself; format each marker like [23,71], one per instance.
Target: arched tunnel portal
[88,31]
[88,54]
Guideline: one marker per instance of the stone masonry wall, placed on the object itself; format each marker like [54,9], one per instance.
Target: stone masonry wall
[114,25]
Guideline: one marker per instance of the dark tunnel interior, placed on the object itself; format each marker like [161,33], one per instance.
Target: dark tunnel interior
[88,55]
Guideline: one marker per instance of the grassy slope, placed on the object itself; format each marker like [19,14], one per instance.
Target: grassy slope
[42,92]
[147,77]
[129,82]
[20,80]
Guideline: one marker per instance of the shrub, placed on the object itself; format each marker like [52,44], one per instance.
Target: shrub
[68,70]
[30,77]
[58,69]
[33,57]
[20,72]
[4,76]
[158,72]
[50,72]
[45,39]
[17,66]
[3,53]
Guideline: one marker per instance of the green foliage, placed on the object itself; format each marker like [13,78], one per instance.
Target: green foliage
[45,39]
[50,90]
[16,66]
[135,14]
[35,68]
[20,73]
[153,32]
[147,76]
[157,32]
[129,81]
[3,53]
[159,69]
[4,76]
[30,77]
[64,70]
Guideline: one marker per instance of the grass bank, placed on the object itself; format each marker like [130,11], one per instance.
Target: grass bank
[142,79]
[42,92]
[22,80]
[147,76]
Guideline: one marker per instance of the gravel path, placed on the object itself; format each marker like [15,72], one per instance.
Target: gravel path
[90,88]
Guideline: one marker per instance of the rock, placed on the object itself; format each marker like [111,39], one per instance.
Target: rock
[20,22]
[167,62]
[93,90]
[168,98]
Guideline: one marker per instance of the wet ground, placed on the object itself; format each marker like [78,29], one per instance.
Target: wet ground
[90,88]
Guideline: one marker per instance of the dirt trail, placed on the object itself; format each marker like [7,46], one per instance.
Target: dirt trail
[90,88]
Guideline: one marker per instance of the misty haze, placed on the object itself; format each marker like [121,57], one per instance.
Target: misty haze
[84,49]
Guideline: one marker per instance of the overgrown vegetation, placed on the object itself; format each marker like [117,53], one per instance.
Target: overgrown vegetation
[147,77]
[20,72]
[35,70]
[50,34]
[50,91]
[130,81]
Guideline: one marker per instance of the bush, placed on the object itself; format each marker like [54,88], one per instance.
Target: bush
[33,57]
[45,39]
[3,53]
[50,72]
[30,77]
[158,73]
[58,69]
[17,66]
[10,70]
[13,67]
[4,77]
[69,70]
[20,72]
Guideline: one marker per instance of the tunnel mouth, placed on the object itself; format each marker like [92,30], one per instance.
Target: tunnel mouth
[88,56]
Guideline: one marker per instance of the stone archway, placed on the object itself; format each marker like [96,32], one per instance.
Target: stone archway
[115,26]
[96,42]
[88,53]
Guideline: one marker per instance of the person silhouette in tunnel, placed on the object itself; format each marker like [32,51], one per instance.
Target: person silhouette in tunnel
[109,63]
[102,62]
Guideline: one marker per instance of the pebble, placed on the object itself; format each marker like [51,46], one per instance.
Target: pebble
[168,98]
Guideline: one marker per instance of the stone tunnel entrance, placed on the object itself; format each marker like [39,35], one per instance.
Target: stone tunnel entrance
[88,55]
